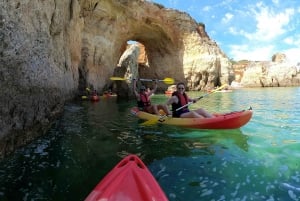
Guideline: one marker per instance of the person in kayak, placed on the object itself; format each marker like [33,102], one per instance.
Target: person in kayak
[144,103]
[179,98]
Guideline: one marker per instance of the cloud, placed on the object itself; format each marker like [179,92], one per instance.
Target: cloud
[263,23]
[262,53]
[266,39]
[252,30]
[292,40]
[289,40]
[173,3]
[292,55]
[226,2]
[227,18]
[240,32]
[240,52]
[206,8]
[269,24]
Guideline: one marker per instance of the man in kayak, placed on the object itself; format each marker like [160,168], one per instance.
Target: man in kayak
[179,98]
[144,103]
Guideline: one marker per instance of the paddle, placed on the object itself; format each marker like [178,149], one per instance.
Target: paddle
[213,91]
[84,96]
[166,80]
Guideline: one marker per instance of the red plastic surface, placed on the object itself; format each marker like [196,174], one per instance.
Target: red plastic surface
[231,120]
[95,98]
[129,180]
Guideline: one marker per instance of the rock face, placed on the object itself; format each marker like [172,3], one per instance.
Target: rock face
[279,58]
[52,50]
[39,58]
[271,74]
[127,68]
[276,73]
[176,45]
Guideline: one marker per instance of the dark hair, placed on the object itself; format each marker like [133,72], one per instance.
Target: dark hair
[143,88]
[180,83]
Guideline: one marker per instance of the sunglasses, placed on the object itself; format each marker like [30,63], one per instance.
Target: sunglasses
[180,87]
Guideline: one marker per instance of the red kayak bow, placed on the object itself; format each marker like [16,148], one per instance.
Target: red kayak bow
[129,180]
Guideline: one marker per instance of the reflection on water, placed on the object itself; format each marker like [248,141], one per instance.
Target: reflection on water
[260,161]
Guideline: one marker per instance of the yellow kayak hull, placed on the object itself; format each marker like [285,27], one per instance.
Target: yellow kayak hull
[231,120]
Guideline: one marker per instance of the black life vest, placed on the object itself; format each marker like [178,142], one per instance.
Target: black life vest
[182,100]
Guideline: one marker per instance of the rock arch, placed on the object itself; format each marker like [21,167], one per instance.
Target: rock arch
[65,45]
[176,45]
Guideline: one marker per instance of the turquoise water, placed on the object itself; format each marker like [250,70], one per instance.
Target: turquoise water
[260,161]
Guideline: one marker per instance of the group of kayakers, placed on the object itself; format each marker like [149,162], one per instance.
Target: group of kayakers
[94,95]
[178,99]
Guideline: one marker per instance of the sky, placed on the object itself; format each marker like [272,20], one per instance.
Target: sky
[247,29]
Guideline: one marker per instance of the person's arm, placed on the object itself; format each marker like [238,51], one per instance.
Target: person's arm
[155,86]
[154,89]
[172,100]
[134,89]
[194,100]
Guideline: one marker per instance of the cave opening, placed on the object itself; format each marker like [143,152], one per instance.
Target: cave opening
[133,63]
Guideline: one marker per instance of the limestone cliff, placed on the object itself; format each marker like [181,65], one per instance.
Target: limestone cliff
[271,74]
[50,50]
[39,57]
[176,45]
[276,73]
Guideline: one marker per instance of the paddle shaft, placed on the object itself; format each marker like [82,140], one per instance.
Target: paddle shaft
[167,80]
[149,80]
[213,91]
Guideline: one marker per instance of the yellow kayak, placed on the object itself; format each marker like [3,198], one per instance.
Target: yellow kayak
[231,120]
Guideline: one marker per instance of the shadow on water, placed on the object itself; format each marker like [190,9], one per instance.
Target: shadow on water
[166,140]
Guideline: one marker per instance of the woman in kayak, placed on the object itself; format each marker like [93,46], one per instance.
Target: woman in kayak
[179,98]
[144,103]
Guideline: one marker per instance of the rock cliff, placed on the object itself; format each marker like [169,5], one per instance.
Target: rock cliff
[176,45]
[50,51]
[39,56]
[275,73]
[271,74]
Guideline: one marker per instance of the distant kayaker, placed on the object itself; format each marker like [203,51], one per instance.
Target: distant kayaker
[179,98]
[94,93]
[143,100]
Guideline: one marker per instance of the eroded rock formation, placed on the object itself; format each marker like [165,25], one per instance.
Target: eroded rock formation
[50,50]
[276,73]
[176,45]
[39,56]
[271,74]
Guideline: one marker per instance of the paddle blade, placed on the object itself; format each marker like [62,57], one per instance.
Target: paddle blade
[118,78]
[168,80]
[219,88]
